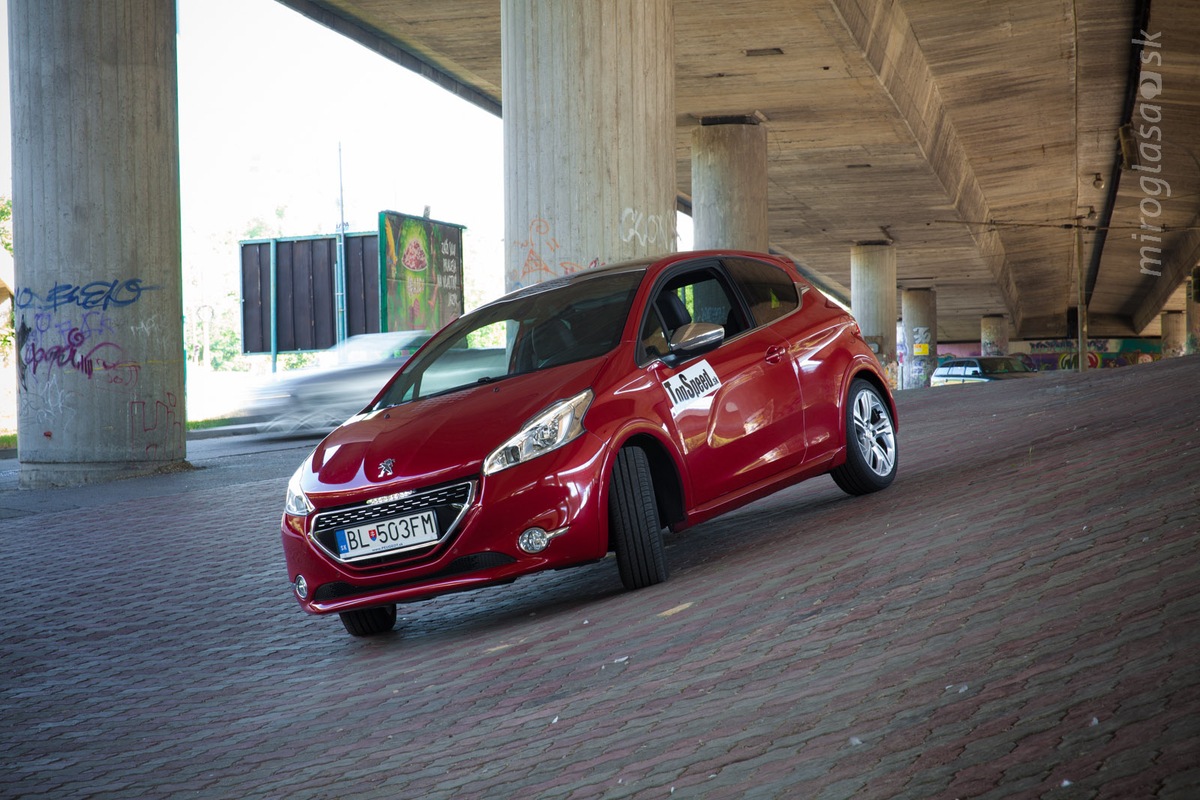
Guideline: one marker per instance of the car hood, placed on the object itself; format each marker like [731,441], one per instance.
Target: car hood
[433,440]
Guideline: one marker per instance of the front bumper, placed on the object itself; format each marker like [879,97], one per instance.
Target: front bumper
[562,490]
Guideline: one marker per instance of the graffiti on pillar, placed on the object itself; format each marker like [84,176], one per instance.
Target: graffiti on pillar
[69,328]
[648,229]
[892,370]
[95,295]
[50,402]
[891,366]
[80,344]
[67,348]
[1175,350]
[919,372]
[155,428]
[921,340]
[541,260]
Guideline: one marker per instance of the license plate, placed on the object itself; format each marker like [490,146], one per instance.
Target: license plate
[387,535]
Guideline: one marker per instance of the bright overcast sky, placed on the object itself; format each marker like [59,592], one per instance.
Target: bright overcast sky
[266,97]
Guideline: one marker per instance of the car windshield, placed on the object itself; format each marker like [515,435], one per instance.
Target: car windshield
[1001,366]
[553,323]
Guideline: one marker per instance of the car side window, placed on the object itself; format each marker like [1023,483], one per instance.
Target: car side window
[770,291]
[956,368]
[696,296]
[972,368]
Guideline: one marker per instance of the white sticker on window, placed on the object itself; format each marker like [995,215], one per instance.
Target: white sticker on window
[698,380]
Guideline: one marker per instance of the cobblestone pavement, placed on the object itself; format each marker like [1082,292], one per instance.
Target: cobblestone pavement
[1017,616]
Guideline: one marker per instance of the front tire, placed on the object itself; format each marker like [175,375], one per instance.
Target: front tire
[633,521]
[871,456]
[369,621]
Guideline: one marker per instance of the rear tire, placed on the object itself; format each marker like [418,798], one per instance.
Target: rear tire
[633,521]
[369,621]
[871,455]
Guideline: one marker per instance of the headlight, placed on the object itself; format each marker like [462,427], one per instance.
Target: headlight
[296,504]
[550,430]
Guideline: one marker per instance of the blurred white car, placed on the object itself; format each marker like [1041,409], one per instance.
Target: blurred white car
[344,380]
[980,370]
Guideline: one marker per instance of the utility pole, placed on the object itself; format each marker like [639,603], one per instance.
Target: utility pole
[1081,314]
[339,270]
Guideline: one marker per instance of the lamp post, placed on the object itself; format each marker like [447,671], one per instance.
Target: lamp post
[1081,315]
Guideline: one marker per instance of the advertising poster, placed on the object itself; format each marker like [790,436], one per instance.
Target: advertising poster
[421,271]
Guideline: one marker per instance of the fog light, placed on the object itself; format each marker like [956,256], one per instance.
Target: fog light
[301,587]
[534,540]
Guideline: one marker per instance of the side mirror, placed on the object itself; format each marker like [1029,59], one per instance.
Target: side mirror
[696,336]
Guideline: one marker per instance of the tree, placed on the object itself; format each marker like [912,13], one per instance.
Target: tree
[6,223]
[7,334]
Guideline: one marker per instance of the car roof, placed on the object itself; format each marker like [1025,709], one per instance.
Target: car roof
[658,263]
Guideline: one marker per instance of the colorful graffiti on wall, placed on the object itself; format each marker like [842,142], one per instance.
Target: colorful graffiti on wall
[1054,354]
[540,259]
[77,339]
[70,328]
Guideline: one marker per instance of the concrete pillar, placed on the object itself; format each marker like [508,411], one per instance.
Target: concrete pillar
[1174,334]
[98,306]
[993,335]
[918,309]
[873,300]
[1193,313]
[589,134]
[729,187]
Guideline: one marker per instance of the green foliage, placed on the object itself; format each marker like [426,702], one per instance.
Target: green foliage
[7,334]
[297,360]
[225,351]
[494,335]
[6,223]
[258,229]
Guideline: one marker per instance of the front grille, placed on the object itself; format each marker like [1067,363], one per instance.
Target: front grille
[448,503]
[459,566]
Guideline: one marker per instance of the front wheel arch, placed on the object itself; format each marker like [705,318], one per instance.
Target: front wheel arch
[634,521]
[881,386]
[668,483]
[871,452]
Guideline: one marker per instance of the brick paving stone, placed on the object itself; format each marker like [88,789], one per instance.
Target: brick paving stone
[965,626]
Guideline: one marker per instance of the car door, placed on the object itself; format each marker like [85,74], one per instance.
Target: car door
[735,411]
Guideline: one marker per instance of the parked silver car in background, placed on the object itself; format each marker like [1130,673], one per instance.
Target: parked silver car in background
[344,380]
[983,369]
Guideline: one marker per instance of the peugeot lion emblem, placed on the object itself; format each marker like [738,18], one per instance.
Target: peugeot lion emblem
[385,469]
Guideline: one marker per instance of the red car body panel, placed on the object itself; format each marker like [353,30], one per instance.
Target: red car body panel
[778,416]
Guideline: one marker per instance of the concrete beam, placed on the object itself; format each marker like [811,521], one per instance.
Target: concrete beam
[1176,269]
[883,33]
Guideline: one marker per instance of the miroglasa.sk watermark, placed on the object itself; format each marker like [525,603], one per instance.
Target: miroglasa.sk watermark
[1149,137]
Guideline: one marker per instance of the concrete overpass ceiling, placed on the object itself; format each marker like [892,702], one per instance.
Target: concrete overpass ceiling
[973,135]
